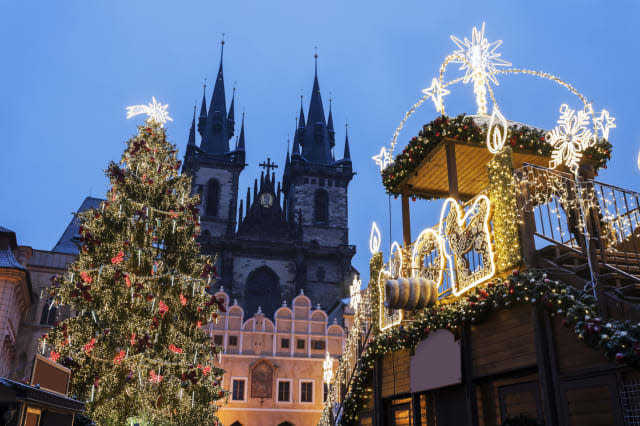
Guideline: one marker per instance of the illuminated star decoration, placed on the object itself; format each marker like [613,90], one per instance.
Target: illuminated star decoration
[156,111]
[604,123]
[569,138]
[383,159]
[436,92]
[354,290]
[480,60]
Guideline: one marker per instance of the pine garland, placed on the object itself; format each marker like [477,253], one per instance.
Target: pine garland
[463,129]
[619,340]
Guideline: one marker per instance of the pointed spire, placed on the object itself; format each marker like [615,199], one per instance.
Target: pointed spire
[216,136]
[347,151]
[287,161]
[330,131]
[316,146]
[241,141]
[192,131]
[231,122]
[240,212]
[202,119]
[248,200]
[301,119]
[255,187]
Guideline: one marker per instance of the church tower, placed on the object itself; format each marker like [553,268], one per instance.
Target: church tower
[315,184]
[215,166]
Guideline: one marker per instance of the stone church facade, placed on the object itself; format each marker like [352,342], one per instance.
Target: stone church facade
[285,236]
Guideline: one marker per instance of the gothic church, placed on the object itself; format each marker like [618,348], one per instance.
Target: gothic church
[285,237]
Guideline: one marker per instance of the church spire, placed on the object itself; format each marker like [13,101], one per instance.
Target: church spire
[202,119]
[241,141]
[316,146]
[216,136]
[347,151]
[330,131]
[231,122]
[192,131]
[301,119]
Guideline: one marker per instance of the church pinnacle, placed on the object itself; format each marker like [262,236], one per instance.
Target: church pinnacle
[217,133]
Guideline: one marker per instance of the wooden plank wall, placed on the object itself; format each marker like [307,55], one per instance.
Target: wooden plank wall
[590,406]
[572,354]
[505,341]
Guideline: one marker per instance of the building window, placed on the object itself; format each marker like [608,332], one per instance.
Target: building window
[233,340]
[300,344]
[313,181]
[284,390]
[238,389]
[317,344]
[306,180]
[236,423]
[321,206]
[262,380]
[306,391]
[213,196]
[49,313]
[325,392]
[284,343]
[217,339]
[320,274]
[321,182]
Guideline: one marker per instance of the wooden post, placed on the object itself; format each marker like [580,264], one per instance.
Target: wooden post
[467,377]
[378,409]
[406,219]
[547,373]
[415,409]
[452,170]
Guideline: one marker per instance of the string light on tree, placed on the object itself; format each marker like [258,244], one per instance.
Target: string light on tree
[154,110]
[479,60]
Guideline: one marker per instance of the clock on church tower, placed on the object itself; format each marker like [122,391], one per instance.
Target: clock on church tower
[266,199]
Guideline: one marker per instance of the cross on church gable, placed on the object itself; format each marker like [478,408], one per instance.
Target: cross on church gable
[268,165]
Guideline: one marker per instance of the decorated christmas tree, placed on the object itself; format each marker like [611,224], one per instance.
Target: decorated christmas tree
[136,347]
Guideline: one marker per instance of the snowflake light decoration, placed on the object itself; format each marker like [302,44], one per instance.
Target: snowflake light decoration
[570,138]
[156,111]
[480,60]
[604,122]
[354,290]
[383,159]
[436,92]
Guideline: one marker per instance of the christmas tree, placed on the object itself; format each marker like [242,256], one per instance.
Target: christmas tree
[139,288]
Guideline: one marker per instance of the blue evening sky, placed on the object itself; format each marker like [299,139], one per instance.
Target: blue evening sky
[69,69]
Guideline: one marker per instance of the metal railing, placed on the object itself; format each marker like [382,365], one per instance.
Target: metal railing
[578,214]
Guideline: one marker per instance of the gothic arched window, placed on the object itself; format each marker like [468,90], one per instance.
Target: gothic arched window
[49,313]
[213,197]
[262,289]
[321,206]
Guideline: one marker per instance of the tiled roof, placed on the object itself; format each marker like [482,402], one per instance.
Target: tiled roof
[68,242]
[8,260]
[11,234]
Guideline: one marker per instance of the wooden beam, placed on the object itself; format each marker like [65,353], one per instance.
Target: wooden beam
[406,218]
[415,409]
[546,369]
[452,170]
[471,402]
[378,408]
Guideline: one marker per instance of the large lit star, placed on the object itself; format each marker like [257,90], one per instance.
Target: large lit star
[383,159]
[436,92]
[604,123]
[478,57]
[156,111]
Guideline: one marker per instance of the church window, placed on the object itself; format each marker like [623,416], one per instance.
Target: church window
[300,344]
[306,180]
[262,289]
[213,196]
[320,274]
[306,391]
[322,206]
[313,181]
[49,313]
[238,389]
[329,182]
[284,343]
[217,339]
[233,340]
[321,182]
[317,344]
